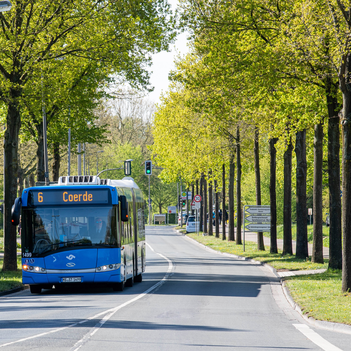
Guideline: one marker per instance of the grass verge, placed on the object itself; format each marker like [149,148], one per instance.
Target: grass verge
[318,295]
[10,280]
[279,262]
[280,233]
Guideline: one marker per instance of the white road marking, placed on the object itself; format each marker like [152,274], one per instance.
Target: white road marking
[316,338]
[107,314]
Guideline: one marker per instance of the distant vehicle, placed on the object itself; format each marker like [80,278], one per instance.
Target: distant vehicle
[185,217]
[192,225]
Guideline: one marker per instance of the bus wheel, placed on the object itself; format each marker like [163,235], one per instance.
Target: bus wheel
[35,289]
[139,278]
[130,281]
[118,286]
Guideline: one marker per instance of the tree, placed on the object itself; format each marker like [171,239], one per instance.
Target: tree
[34,33]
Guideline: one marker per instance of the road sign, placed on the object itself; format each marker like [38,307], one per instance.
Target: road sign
[172,209]
[259,227]
[197,198]
[258,209]
[260,219]
[197,205]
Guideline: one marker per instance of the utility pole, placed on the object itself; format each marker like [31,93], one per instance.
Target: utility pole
[84,168]
[46,164]
[69,144]
[79,160]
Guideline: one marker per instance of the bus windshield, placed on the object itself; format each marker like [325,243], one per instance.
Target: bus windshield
[47,229]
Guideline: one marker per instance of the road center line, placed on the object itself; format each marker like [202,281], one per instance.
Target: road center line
[316,338]
[107,314]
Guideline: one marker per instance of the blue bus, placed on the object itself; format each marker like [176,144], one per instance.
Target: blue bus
[82,230]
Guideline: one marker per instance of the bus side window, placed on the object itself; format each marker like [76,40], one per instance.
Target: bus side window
[117,228]
[122,227]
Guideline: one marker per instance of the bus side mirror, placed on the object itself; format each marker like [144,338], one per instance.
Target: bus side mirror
[16,211]
[124,208]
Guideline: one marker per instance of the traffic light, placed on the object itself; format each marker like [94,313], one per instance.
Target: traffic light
[183,203]
[148,167]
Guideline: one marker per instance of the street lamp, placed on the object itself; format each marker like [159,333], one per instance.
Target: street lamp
[97,161]
[5,6]
[127,167]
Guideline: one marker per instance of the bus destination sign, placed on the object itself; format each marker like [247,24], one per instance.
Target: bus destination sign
[69,197]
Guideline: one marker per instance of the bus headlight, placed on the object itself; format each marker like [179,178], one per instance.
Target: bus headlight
[33,269]
[108,267]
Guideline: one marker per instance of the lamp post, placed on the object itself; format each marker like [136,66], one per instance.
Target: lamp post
[97,160]
[126,168]
[5,6]
[79,160]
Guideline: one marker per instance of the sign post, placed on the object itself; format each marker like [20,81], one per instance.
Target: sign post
[259,218]
[310,214]
[197,206]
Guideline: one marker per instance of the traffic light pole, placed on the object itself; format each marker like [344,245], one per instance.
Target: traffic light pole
[149,203]
[180,205]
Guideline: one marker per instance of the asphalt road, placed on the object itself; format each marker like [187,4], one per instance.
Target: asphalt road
[191,298]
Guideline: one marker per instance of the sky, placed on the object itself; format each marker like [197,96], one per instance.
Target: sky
[163,63]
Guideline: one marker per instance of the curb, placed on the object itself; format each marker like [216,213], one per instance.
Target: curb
[331,326]
[11,291]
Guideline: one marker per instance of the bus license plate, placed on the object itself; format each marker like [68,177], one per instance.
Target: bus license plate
[72,280]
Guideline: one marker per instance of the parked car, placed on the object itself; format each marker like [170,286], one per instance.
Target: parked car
[185,217]
[192,225]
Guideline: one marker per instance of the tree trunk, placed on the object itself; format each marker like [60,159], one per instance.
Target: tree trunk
[56,162]
[335,247]
[31,180]
[26,182]
[231,236]
[40,154]
[202,203]
[272,193]
[20,177]
[287,240]
[205,204]
[260,242]
[216,209]
[223,203]
[301,210]
[11,173]
[210,205]
[20,181]
[317,251]
[346,172]
[238,189]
